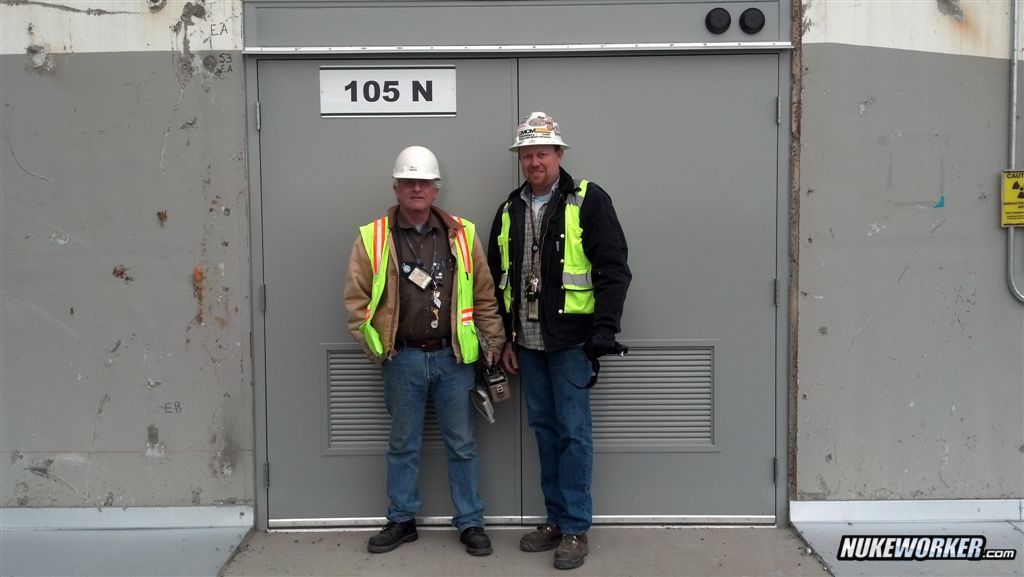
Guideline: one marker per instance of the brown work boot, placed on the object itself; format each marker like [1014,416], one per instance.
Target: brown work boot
[571,551]
[545,538]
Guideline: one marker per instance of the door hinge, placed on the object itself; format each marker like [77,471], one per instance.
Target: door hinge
[263,298]
[778,111]
[259,122]
[266,475]
[775,470]
[776,295]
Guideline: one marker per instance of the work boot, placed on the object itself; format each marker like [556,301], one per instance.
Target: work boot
[571,551]
[392,535]
[477,542]
[545,538]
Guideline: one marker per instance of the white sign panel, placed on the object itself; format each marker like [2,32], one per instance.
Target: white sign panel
[387,91]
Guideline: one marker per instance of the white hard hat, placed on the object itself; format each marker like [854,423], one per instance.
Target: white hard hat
[538,128]
[416,162]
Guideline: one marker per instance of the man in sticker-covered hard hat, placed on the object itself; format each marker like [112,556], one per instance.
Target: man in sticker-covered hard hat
[420,300]
[559,257]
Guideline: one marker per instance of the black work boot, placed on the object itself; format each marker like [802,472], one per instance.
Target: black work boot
[545,538]
[477,542]
[571,551]
[392,535]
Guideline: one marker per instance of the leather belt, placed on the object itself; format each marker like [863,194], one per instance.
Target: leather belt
[426,345]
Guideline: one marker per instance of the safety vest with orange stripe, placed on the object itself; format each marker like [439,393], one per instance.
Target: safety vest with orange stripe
[375,237]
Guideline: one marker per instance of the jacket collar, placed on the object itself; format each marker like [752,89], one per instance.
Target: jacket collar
[449,223]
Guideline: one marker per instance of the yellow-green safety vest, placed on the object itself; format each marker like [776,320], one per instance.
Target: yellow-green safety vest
[375,235]
[576,267]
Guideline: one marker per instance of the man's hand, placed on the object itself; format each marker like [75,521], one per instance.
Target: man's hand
[492,357]
[509,359]
[601,344]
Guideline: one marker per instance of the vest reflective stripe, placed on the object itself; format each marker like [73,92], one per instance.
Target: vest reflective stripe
[576,278]
[464,243]
[503,247]
[375,241]
[374,237]
[469,343]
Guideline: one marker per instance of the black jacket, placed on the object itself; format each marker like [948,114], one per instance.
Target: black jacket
[605,247]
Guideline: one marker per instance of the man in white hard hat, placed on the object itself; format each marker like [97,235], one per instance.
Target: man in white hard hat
[560,263]
[420,300]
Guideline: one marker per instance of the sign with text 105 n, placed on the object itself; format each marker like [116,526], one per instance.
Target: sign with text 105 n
[361,91]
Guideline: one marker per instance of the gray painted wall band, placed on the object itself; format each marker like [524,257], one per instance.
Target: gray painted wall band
[520,48]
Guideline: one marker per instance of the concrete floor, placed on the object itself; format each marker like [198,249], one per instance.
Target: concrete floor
[174,552]
[614,552]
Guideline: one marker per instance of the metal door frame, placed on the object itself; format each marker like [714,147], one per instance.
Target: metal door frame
[782,345]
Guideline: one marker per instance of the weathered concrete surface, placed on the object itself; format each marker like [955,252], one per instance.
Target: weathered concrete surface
[125,268]
[614,552]
[196,552]
[911,384]
[965,27]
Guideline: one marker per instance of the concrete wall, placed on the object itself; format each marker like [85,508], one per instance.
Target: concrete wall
[911,383]
[125,328]
[125,261]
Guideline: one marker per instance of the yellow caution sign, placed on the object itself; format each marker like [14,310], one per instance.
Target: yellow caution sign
[1013,198]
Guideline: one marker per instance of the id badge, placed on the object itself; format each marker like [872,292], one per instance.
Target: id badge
[532,306]
[420,278]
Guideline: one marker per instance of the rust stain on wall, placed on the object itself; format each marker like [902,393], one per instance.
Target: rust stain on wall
[963,27]
[121,272]
[197,292]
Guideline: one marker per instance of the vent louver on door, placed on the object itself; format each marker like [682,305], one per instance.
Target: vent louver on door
[358,421]
[655,398]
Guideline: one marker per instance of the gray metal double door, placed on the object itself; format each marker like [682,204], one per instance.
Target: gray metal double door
[687,147]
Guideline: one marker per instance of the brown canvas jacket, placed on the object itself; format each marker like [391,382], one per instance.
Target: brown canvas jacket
[359,280]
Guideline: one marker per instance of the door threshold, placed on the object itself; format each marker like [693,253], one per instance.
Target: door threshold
[360,523]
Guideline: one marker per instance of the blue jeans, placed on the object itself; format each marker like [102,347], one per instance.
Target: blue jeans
[554,385]
[409,377]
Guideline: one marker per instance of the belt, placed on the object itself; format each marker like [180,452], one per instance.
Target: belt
[426,345]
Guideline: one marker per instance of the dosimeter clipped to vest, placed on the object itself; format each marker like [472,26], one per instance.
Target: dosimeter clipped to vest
[491,387]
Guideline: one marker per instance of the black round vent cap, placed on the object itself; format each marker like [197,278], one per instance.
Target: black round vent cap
[718,20]
[752,20]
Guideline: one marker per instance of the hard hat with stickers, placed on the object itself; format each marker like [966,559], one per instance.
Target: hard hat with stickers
[538,129]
